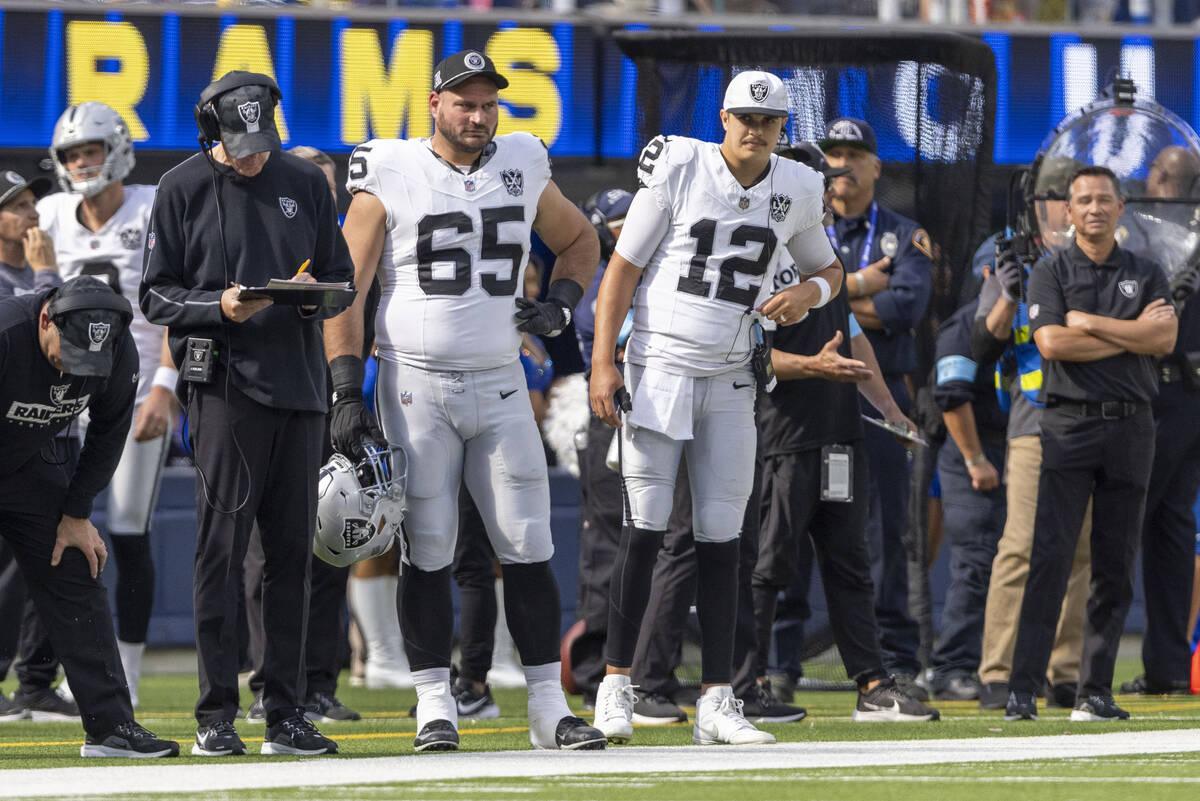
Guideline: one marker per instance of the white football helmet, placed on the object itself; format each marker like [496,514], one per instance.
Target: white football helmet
[92,122]
[360,506]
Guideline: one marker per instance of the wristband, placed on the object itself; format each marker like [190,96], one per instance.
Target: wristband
[977,459]
[347,373]
[860,283]
[165,377]
[566,293]
[826,291]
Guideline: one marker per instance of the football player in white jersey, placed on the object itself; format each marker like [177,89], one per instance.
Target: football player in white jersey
[446,223]
[703,236]
[99,226]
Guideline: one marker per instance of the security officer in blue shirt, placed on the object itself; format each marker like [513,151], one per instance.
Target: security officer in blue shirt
[886,257]
[1099,315]
[970,464]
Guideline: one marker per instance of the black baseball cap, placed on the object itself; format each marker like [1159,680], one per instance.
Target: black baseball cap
[91,317]
[809,154]
[463,66]
[12,184]
[246,116]
[850,131]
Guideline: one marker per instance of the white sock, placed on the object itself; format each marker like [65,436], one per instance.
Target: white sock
[544,685]
[374,603]
[434,701]
[131,661]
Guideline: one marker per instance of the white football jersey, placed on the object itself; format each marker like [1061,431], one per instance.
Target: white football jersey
[455,250]
[114,253]
[718,259]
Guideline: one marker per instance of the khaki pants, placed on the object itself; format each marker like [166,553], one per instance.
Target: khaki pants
[1010,569]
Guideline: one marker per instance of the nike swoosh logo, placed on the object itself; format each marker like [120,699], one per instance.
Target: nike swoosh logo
[895,707]
[504,394]
[736,385]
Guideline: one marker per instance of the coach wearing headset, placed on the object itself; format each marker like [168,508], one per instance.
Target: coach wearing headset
[253,385]
[62,351]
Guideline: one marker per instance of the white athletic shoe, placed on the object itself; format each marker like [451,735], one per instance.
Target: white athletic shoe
[719,720]
[614,708]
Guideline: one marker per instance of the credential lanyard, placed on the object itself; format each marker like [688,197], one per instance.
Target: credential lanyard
[865,257]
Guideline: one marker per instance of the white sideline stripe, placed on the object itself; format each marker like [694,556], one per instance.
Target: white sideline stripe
[232,773]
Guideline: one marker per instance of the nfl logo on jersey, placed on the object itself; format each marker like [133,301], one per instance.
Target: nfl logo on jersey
[514,182]
[406,398]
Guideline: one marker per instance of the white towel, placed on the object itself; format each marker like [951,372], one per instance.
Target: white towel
[662,402]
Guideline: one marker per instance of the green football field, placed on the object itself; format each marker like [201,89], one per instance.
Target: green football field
[969,754]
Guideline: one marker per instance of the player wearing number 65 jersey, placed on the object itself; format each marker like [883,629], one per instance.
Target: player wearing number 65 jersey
[706,229]
[445,222]
[99,228]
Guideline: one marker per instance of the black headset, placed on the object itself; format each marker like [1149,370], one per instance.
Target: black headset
[107,300]
[599,221]
[206,113]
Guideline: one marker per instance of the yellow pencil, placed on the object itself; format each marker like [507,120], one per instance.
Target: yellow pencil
[304,266]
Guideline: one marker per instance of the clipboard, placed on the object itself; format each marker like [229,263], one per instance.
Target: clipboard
[892,428]
[300,293]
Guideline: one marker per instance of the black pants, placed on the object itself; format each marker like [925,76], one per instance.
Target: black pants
[791,508]
[1108,461]
[72,605]
[327,648]
[1168,542]
[255,464]
[475,574]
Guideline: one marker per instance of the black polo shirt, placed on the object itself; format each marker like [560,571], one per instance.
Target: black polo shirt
[1119,288]
[807,413]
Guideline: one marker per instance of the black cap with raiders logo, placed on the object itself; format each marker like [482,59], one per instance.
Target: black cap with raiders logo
[463,66]
[246,116]
[12,184]
[90,317]
[850,131]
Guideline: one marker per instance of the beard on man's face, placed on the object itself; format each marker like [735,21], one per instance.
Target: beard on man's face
[469,138]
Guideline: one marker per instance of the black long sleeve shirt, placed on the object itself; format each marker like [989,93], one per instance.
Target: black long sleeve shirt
[37,401]
[272,224]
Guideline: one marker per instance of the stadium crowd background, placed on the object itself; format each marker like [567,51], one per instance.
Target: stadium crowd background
[1180,12]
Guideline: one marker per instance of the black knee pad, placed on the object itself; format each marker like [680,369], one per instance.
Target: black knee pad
[533,611]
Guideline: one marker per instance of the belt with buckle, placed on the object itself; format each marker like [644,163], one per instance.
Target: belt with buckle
[1106,410]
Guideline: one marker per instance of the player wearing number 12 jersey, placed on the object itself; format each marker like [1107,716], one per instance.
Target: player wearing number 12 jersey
[445,222]
[704,236]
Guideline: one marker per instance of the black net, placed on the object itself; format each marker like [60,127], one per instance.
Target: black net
[931,101]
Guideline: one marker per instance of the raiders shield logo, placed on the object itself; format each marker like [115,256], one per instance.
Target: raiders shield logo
[131,238]
[97,333]
[288,207]
[356,531]
[473,60]
[58,393]
[844,129]
[250,113]
[758,91]
[1128,287]
[514,182]
[780,204]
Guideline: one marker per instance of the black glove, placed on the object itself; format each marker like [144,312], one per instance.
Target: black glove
[349,419]
[551,316]
[1010,272]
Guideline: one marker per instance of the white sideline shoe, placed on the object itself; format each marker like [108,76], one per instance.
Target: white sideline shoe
[614,708]
[719,720]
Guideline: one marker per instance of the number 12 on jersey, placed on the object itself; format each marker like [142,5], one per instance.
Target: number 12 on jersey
[705,233]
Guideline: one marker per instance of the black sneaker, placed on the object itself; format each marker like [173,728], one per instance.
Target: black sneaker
[575,734]
[1021,706]
[46,705]
[1098,707]
[256,713]
[325,708]
[128,740]
[437,735]
[907,684]
[217,740]
[993,695]
[1062,695]
[10,710]
[888,703]
[764,707]
[472,704]
[957,688]
[296,736]
[1145,686]
[784,687]
[656,709]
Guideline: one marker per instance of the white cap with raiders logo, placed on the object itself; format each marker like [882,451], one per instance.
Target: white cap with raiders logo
[754,92]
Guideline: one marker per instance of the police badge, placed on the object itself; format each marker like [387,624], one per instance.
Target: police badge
[514,182]
[889,243]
